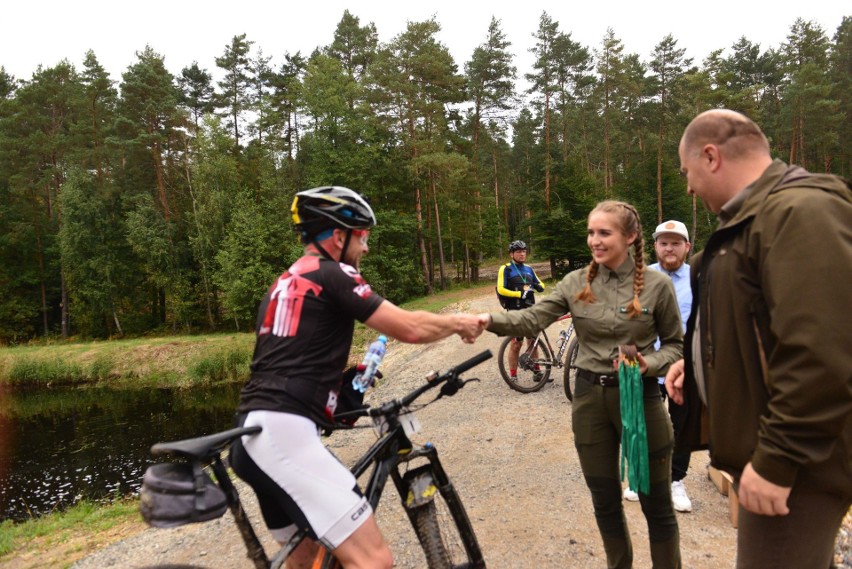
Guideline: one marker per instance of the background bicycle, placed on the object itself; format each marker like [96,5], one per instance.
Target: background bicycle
[429,498]
[536,360]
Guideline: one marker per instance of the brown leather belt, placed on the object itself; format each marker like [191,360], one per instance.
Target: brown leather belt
[610,380]
[598,378]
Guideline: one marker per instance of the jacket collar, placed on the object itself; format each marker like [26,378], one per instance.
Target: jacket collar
[747,202]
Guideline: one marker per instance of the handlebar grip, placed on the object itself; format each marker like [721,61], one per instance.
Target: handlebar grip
[472,362]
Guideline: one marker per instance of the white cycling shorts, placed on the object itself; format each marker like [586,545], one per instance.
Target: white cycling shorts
[289,450]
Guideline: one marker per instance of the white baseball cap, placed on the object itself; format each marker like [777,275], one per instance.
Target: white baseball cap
[672,226]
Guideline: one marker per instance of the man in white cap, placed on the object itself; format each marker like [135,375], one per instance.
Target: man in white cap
[671,243]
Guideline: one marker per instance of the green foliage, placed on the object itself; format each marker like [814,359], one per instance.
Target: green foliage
[130,209]
[27,371]
[390,266]
[229,364]
[258,246]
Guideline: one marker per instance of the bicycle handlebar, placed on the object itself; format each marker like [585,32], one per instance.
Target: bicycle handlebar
[450,375]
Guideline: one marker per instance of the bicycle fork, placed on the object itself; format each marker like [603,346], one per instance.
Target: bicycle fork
[419,486]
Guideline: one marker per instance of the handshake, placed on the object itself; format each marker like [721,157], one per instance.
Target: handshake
[471,326]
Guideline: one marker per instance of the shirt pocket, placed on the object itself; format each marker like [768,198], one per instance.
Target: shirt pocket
[587,320]
[639,328]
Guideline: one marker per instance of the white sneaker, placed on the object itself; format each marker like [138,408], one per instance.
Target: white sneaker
[630,495]
[680,500]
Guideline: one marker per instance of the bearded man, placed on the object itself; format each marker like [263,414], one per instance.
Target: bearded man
[671,243]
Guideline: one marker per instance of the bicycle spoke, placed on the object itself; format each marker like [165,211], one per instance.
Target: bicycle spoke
[533,368]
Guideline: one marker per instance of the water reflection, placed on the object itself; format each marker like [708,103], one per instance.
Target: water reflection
[59,446]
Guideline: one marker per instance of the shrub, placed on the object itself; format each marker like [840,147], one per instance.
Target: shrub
[26,371]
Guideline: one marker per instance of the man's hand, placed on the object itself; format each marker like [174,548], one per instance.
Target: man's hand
[674,382]
[760,496]
[472,326]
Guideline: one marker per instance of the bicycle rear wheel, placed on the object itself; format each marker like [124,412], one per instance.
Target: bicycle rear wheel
[570,374]
[532,372]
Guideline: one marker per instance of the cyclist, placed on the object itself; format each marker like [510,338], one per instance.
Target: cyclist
[304,332]
[516,286]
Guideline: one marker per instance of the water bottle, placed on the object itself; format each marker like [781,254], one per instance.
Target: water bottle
[364,378]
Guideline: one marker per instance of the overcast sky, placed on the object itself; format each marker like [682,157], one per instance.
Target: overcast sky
[46,31]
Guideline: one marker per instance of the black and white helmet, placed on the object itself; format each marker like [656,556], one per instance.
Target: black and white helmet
[517,246]
[329,207]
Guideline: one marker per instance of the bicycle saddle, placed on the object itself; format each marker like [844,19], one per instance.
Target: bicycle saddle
[203,448]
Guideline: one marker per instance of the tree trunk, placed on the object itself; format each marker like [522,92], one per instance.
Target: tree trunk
[694,219]
[547,150]
[441,266]
[65,318]
[421,243]
[207,295]
[660,177]
[156,155]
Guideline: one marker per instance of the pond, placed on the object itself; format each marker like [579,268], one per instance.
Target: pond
[60,446]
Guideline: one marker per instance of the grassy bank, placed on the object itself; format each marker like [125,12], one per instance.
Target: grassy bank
[173,361]
[170,361]
[57,540]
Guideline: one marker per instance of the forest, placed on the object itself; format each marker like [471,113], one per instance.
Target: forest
[160,203]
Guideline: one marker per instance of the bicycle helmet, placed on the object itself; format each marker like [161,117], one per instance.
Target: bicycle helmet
[329,207]
[517,246]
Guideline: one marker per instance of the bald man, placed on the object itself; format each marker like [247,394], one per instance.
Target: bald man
[769,341]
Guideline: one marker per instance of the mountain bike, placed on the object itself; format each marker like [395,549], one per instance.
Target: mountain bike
[535,360]
[429,498]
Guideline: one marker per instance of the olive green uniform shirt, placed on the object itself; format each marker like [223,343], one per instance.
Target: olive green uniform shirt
[604,324]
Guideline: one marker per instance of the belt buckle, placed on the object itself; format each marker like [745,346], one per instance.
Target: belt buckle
[602,380]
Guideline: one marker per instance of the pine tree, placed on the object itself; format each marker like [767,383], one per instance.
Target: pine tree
[235,97]
[196,91]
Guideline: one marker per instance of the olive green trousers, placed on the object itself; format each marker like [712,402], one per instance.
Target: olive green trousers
[596,418]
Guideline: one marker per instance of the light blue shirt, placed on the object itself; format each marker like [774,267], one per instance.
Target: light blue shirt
[683,291]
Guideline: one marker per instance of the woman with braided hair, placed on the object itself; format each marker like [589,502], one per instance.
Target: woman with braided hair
[615,301]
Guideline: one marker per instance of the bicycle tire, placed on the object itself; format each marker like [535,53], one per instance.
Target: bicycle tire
[569,376]
[525,381]
[438,534]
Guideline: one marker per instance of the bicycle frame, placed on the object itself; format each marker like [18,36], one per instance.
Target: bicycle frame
[564,340]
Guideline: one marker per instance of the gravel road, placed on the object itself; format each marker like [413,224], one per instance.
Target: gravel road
[513,461]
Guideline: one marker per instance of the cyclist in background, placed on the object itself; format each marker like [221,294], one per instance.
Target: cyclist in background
[304,333]
[516,286]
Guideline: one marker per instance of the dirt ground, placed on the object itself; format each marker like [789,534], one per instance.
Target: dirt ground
[512,459]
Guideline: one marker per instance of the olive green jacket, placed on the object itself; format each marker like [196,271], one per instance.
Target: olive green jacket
[773,292]
[604,324]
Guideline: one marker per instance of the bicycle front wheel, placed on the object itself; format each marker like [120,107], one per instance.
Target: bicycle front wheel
[570,374]
[533,369]
[439,536]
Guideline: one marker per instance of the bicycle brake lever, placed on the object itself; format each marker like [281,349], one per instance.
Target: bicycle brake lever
[452,387]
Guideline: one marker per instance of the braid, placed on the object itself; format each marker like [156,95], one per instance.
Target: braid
[635,307]
[586,295]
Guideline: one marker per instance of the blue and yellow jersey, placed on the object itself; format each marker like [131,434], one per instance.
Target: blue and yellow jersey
[511,281]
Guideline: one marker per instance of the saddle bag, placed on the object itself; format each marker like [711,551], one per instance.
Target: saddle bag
[178,493]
